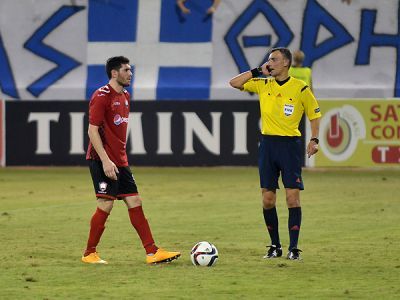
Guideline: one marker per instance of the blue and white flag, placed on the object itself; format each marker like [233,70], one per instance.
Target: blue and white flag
[58,49]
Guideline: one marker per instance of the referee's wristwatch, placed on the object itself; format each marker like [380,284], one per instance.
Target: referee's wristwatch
[315,140]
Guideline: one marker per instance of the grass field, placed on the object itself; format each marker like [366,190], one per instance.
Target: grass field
[350,236]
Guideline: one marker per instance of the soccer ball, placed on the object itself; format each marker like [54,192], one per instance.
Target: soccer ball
[204,254]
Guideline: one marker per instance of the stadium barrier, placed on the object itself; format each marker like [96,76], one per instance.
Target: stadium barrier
[353,133]
[170,133]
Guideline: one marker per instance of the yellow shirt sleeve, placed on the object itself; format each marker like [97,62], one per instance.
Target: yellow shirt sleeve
[311,106]
[253,85]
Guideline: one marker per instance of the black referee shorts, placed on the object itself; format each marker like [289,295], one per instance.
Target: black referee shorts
[280,155]
[107,188]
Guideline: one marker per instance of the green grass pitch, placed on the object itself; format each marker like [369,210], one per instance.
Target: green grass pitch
[350,236]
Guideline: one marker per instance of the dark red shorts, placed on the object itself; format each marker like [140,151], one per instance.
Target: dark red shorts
[107,188]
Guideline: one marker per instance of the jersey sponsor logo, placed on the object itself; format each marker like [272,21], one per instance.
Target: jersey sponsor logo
[102,187]
[288,109]
[317,110]
[118,120]
[116,103]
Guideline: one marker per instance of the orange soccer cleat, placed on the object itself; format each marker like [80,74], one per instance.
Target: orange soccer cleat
[161,256]
[93,258]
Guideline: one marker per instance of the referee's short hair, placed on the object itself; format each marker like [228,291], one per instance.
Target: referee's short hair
[285,52]
[114,63]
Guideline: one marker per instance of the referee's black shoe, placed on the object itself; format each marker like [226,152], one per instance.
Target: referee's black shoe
[294,254]
[273,252]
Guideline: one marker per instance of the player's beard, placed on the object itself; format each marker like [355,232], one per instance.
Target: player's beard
[126,84]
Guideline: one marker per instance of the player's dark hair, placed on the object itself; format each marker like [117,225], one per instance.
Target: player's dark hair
[114,63]
[285,52]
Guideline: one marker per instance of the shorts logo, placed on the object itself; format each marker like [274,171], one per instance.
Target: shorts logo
[288,109]
[119,120]
[102,187]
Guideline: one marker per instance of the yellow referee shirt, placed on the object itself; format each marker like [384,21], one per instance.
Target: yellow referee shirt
[283,106]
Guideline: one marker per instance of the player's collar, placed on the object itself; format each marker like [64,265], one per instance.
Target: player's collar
[114,91]
[283,81]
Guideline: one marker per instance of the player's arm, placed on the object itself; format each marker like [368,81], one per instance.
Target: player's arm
[109,167]
[238,81]
[312,146]
[313,113]
[213,7]
[182,6]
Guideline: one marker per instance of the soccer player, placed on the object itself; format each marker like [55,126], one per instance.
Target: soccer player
[283,100]
[112,178]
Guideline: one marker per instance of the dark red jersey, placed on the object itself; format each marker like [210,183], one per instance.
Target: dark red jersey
[110,111]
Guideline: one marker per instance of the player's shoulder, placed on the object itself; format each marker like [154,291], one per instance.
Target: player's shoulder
[298,83]
[102,92]
[307,71]
[126,94]
[259,80]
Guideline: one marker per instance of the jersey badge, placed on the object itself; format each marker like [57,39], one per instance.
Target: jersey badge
[102,187]
[288,109]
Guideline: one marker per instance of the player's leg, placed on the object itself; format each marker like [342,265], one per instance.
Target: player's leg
[139,222]
[271,221]
[269,175]
[105,190]
[294,221]
[292,180]
[129,193]
[97,226]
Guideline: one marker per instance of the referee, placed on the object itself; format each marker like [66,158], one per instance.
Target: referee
[283,100]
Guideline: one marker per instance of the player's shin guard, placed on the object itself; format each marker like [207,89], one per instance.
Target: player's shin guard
[271,221]
[294,223]
[96,230]
[139,222]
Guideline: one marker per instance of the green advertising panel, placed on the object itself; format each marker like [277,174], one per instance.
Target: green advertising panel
[359,133]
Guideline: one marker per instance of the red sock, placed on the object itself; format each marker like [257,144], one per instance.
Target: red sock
[139,222]
[96,230]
